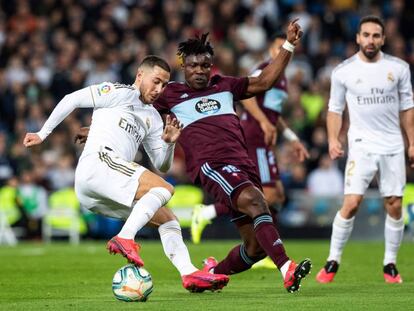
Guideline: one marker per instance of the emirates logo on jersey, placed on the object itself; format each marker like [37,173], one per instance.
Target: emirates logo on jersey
[207,106]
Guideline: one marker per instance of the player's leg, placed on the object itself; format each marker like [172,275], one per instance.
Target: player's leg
[152,193]
[177,252]
[391,182]
[341,231]
[275,197]
[242,256]
[250,201]
[202,216]
[360,169]
[240,187]
[393,233]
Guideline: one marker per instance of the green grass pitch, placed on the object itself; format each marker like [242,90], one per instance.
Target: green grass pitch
[59,276]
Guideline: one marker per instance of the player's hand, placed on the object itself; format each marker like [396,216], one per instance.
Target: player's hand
[294,32]
[410,153]
[335,149]
[81,135]
[300,151]
[31,139]
[172,130]
[270,133]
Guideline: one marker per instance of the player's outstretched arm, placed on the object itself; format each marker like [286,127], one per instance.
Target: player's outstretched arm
[78,99]
[172,130]
[272,72]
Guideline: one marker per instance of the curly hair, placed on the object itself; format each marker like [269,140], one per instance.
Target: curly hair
[194,46]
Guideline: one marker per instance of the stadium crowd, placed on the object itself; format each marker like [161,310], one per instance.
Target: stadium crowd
[50,48]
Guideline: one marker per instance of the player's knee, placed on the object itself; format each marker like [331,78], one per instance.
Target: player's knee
[350,207]
[252,202]
[163,193]
[393,206]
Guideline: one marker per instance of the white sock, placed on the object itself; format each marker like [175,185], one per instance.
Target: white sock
[143,211]
[285,268]
[393,232]
[174,247]
[208,212]
[341,231]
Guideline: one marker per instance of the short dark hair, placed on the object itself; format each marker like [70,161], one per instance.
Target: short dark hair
[153,60]
[371,19]
[194,46]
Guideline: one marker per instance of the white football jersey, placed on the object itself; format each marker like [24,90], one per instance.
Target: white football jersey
[375,94]
[120,121]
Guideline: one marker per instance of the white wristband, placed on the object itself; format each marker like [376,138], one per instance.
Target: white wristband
[288,46]
[289,135]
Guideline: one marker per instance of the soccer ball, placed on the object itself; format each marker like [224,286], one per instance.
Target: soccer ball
[131,283]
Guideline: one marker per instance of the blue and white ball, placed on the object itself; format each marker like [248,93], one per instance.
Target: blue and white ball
[131,283]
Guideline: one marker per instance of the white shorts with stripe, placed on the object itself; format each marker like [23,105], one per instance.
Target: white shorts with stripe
[106,184]
[362,166]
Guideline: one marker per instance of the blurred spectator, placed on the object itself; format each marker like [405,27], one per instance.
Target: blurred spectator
[62,175]
[253,36]
[312,101]
[6,168]
[326,179]
[34,202]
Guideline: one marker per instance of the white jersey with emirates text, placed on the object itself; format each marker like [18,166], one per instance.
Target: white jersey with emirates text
[120,121]
[375,94]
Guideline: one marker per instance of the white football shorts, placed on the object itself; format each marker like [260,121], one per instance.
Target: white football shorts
[362,166]
[106,184]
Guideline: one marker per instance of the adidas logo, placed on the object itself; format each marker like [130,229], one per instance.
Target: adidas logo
[185,95]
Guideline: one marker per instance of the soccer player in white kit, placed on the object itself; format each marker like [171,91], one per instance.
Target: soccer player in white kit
[377,90]
[108,182]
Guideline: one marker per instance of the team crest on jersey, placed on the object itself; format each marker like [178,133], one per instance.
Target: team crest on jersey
[390,77]
[207,106]
[104,89]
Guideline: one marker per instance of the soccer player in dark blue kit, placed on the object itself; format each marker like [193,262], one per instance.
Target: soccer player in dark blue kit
[217,157]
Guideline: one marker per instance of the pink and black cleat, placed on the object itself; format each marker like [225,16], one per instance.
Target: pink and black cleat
[199,281]
[295,274]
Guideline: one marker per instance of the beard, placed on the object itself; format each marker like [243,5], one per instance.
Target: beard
[372,53]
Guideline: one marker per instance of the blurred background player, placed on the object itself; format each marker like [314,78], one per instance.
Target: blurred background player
[107,180]
[216,153]
[377,90]
[259,120]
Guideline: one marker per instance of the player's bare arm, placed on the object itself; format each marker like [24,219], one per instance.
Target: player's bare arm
[334,124]
[269,130]
[172,130]
[273,71]
[407,122]
[299,149]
